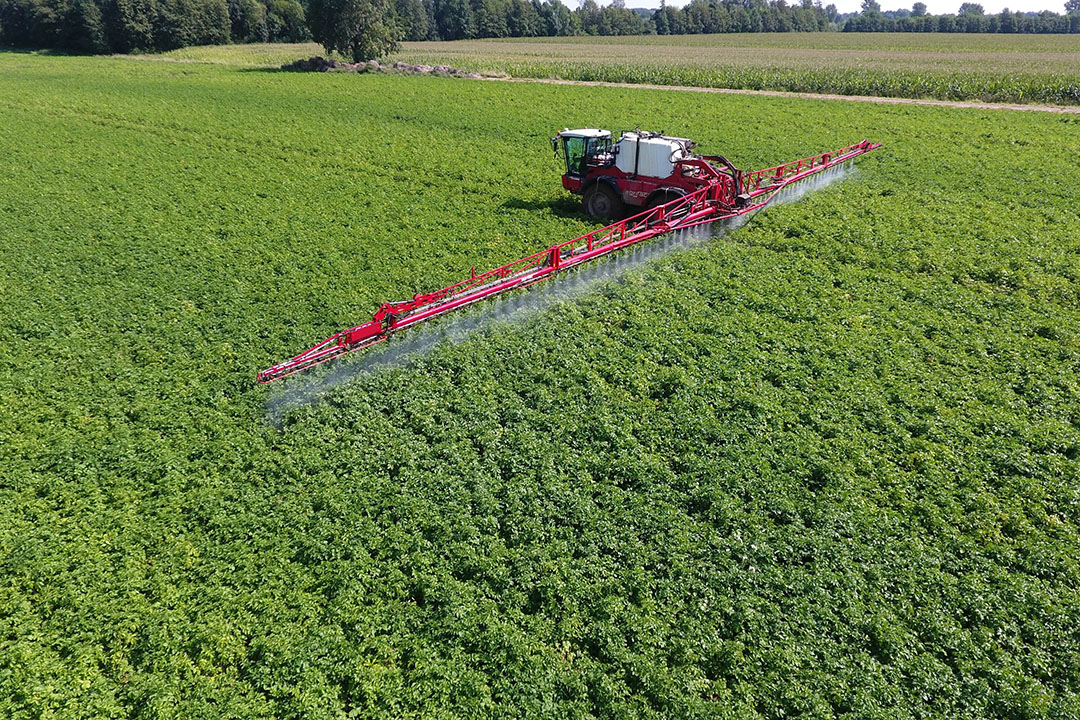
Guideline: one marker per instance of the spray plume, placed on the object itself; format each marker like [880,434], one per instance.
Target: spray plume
[519,305]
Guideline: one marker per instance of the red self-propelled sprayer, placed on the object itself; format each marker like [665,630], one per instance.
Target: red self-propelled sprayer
[678,188]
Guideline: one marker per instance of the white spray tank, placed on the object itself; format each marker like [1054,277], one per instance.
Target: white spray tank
[650,154]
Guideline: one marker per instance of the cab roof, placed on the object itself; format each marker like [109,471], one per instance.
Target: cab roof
[587,132]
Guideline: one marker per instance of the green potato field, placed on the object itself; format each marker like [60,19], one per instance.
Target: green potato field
[826,465]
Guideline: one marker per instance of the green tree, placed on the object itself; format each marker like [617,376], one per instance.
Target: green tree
[918,9]
[491,18]
[82,29]
[28,23]
[285,21]
[523,19]
[555,17]
[589,14]
[129,24]
[1006,22]
[660,19]
[1072,7]
[248,21]
[413,19]
[454,19]
[969,8]
[361,29]
[181,23]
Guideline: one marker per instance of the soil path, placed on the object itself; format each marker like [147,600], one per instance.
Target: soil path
[811,96]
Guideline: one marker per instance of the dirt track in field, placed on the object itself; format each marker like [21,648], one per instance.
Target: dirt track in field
[811,96]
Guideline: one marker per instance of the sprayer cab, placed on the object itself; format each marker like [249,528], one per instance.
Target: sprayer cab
[641,169]
[584,150]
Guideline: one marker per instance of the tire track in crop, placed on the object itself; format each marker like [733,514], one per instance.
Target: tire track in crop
[802,95]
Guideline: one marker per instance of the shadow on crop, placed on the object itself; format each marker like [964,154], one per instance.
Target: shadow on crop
[562,207]
[34,50]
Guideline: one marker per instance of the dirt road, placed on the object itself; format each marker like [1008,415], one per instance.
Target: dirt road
[812,96]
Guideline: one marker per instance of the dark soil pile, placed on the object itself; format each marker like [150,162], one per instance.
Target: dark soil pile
[321,64]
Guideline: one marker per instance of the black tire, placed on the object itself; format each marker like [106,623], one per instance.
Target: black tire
[600,201]
[659,198]
[665,196]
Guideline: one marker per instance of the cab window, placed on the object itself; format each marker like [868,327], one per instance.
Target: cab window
[574,150]
[598,152]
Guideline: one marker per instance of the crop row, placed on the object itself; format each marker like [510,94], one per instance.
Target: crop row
[1059,89]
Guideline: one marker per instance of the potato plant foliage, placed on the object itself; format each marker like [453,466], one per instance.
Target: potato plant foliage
[825,466]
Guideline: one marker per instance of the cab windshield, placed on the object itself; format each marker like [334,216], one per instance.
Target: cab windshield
[574,149]
[583,153]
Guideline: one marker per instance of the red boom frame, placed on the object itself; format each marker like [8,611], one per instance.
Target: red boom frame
[706,205]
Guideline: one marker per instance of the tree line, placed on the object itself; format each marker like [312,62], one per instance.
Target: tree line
[122,26]
[96,26]
[461,19]
[372,28]
[970,18]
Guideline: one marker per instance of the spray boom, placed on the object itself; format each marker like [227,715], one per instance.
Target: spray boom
[711,203]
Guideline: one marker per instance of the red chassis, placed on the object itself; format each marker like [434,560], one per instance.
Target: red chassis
[637,190]
[708,203]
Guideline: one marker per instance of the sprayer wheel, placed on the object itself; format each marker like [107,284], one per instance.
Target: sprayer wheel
[659,199]
[667,196]
[600,201]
